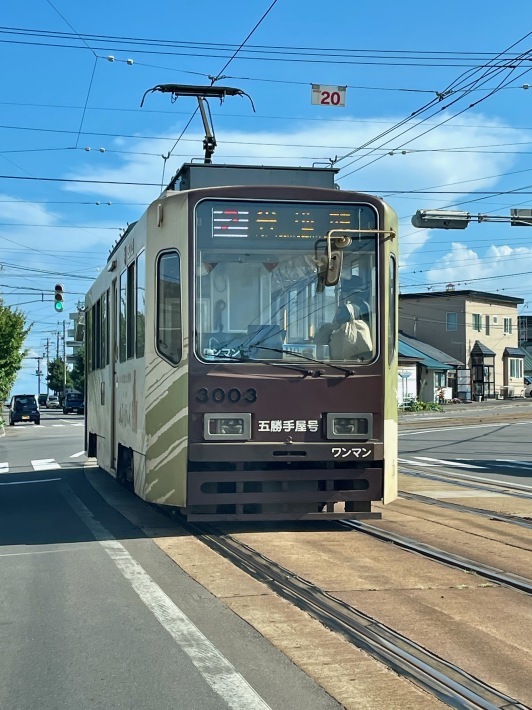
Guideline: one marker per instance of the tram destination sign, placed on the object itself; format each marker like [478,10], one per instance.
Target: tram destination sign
[258,221]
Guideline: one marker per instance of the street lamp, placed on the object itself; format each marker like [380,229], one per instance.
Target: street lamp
[455,219]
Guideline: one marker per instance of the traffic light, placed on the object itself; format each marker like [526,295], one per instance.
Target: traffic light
[58,305]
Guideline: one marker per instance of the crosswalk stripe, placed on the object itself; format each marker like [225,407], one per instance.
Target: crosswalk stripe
[44,464]
[4,468]
[517,464]
[426,461]
[447,463]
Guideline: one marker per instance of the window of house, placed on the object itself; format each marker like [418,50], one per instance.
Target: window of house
[487,325]
[516,367]
[452,321]
[507,327]
[477,322]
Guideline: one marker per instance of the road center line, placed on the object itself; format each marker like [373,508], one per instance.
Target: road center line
[222,677]
[75,456]
[23,483]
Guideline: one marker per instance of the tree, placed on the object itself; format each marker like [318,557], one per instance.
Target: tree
[55,376]
[78,370]
[13,332]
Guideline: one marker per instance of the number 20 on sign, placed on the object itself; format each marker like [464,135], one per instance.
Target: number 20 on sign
[328,95]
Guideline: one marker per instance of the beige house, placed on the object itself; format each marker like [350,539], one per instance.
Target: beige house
[479,329]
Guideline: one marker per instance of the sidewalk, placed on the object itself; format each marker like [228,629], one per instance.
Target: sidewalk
[477,408]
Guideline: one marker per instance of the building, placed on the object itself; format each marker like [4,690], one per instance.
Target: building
[476,328]
[435,368]
[419,375]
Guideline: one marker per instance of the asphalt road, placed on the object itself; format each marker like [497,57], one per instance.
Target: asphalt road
[94,615]
[495,450]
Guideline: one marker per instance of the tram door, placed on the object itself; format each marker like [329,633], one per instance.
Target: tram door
[113,381]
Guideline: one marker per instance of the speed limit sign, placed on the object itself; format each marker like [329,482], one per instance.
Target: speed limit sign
[323,95]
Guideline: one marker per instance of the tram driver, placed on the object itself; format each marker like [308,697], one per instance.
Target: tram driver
[348,336]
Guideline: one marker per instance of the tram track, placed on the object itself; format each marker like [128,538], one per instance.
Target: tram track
[443,679]
[493,574]
[458,507]
[471,482]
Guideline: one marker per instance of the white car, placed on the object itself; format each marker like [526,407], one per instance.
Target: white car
[52,402]
[528,387]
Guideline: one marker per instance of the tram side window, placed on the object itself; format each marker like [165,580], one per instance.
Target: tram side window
[97,323]
[90,340]
[169,333]
[141,304]
[104,335]
[122,319]
[130,311]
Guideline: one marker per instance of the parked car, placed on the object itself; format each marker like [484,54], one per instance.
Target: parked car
[52,402]
[41,400]
[24,408]
[74,402]
[528,387]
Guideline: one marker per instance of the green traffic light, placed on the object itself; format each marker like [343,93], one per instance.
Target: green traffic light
[58,306]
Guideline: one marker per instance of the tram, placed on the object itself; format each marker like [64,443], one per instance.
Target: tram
[242,348]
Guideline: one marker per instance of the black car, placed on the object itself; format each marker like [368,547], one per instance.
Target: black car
[74,402]
[24,408]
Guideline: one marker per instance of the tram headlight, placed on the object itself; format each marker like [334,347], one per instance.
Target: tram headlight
[349,425]
[227,427]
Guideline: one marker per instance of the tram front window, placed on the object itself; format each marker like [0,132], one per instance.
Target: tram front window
[256,283]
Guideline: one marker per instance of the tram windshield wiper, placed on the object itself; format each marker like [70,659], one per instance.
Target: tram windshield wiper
[345,370]
[244,357]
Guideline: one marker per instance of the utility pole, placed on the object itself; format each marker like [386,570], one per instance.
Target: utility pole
[47,365]
[39,373]
[64,361]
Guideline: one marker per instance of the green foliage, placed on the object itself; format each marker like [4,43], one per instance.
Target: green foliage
[78,370]
[55,376]
[413,404]
[13,332]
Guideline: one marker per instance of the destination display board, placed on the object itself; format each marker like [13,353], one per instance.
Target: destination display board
[268,221]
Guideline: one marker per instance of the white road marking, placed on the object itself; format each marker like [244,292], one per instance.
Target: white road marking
[463,493]
[75,456]
[443,462]
[44,464]
[457,428]
[37,552]
[213,666]
[57,425]
[23,483]
[516,464]
[4,468]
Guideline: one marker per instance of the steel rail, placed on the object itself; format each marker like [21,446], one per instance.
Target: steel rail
[443,679]
[510,489]
[506,579]
[484,512]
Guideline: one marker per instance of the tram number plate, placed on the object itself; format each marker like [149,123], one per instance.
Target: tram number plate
[218,395]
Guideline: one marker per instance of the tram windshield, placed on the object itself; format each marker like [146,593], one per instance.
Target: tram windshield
[257,293]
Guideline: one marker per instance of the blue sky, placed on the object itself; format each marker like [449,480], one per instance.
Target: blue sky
[61,95]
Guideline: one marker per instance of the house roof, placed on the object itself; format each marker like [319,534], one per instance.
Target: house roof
[429,350]
[466,293]
[514,352]
[408,351]
[527,347]
[480,348]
